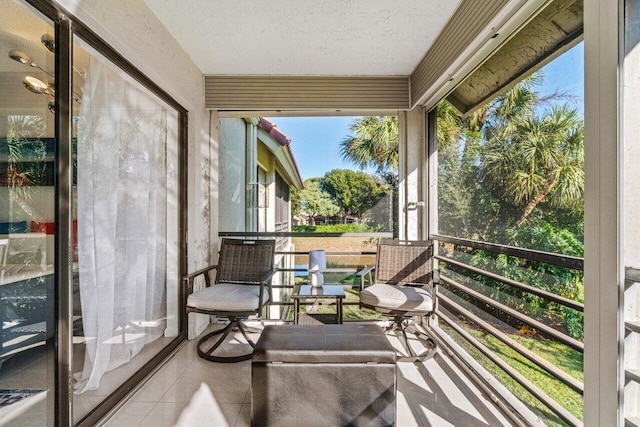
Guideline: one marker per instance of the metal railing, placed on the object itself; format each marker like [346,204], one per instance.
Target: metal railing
[450,284]
[480,307]
[346,268]
[282,242]
[632,362]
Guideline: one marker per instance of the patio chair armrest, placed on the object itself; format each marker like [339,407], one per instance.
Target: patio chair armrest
[367,270]
[265,281]
[189,278]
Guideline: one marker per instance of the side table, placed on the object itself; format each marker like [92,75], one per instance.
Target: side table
[324,292]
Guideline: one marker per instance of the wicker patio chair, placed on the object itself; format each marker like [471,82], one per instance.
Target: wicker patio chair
[242,288]
[402,287]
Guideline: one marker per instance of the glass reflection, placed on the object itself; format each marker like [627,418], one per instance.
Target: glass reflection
[27,228]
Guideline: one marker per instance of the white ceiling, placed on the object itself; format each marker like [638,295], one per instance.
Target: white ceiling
[305,37]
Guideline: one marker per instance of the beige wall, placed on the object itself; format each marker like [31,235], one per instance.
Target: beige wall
[631,196]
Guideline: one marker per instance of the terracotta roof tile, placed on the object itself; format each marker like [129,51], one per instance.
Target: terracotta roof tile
[282,139]
[273,131]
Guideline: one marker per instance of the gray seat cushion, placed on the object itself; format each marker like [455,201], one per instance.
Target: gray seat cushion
[387,298]
[227,297]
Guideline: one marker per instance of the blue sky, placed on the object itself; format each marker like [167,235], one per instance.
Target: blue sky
[566,74]
[315,140]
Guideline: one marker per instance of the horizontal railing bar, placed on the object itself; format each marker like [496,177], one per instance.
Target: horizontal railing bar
[326,270]
[530,289]
[556,372]
[285,303]
[328,253]
[632,375]
[633,326]
[632,274]
[539,394]
[563,338]
[632,421]
[575,263]
[311,303]
[303,234]
[504,399]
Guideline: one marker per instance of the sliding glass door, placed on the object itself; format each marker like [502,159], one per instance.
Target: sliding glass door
[125,216]
[90,193]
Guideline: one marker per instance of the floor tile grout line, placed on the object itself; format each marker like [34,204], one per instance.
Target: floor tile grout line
[235,420]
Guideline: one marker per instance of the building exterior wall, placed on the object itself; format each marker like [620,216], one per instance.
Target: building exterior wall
[232,134]
[267,162]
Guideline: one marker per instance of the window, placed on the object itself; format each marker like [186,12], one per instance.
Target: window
[126,282]
[282,202]
[510,189]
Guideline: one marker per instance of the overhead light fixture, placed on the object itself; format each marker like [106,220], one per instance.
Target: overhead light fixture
[36,85]
[39,87]
[49,42]
[23,58]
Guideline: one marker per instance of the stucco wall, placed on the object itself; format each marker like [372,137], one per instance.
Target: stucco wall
[631,196]
[411,147]
[135,32]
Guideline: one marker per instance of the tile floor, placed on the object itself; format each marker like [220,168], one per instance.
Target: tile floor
[433,393]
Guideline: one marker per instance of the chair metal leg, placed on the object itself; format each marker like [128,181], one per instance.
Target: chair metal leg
[244,331]
[401,323]
[208,354]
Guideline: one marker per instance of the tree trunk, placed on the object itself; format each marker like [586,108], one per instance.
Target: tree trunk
[529,207]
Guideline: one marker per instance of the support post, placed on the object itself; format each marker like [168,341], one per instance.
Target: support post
[602,273]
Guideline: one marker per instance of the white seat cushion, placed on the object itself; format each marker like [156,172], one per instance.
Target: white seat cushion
[412,300]
[227,297]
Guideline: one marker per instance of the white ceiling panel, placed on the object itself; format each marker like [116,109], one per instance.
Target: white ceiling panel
[305,37]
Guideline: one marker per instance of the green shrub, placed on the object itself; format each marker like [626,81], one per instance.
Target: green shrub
[334,228]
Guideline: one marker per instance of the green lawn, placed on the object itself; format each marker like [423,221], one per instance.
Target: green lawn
[567,359]
[349,312]
[559,355]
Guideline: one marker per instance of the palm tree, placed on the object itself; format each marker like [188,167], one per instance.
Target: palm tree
[466,209]
[373,142]
[25,152]
[538,158]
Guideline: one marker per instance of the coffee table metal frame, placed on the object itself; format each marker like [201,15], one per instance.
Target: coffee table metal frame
[305,292]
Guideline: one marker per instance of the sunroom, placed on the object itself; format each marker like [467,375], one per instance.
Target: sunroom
[115,120]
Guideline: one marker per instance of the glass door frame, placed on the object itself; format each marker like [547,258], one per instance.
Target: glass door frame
[66,27]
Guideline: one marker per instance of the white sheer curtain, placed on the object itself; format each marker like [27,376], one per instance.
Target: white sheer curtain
[122,221]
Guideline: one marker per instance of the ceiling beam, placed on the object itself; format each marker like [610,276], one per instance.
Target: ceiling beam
[467,23]
[306,93]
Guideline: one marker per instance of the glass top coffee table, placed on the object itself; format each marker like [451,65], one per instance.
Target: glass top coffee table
[323,295]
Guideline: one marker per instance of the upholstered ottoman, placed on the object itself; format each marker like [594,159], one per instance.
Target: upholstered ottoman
[323,375]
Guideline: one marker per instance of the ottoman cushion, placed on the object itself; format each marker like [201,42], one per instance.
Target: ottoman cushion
[323,375]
